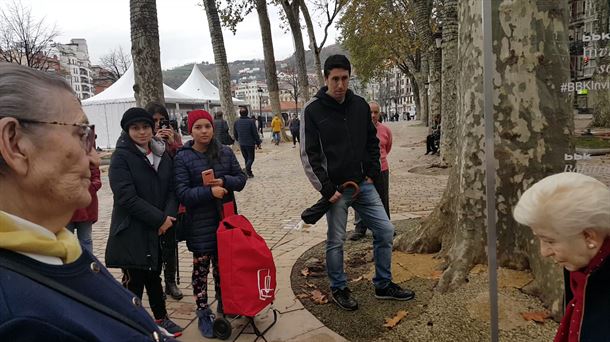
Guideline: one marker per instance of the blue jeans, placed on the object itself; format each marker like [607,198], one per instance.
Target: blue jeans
[368,205]
[83,231]
[276,137]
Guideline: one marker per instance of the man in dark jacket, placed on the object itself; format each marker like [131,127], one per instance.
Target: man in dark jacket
[339,144]
[221,129]
[261,124]
[247,136]
[295,128]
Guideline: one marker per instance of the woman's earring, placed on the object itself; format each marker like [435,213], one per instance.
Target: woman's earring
[591,245]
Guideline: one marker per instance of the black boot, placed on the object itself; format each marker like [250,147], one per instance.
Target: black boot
[358,233]
[173,290]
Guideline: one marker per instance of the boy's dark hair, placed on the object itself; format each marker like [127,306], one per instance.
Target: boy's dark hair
[218,115]
[243,111]
[336,61]
[156,107]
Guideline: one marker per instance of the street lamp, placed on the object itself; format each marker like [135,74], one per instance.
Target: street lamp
[260,103]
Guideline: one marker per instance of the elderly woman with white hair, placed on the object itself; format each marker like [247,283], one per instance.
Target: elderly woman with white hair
[50,288]
[570,214]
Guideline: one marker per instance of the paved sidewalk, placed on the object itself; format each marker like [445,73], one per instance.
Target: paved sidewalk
[273,201]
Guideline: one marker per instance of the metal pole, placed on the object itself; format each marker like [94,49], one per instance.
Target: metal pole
[490,167]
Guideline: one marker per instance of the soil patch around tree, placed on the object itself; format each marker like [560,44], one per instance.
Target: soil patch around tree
[462,315]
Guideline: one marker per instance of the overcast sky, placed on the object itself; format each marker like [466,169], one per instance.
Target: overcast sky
[183,30]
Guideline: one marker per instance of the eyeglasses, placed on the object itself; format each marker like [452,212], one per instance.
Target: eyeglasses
[87,136]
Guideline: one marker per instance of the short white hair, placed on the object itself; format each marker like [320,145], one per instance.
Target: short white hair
[567,203]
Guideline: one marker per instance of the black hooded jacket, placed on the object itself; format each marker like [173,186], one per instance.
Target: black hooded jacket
[338,142]
[143,198]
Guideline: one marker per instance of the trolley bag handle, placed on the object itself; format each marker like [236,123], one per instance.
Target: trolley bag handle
[226,206]
[244,228]
[228,209]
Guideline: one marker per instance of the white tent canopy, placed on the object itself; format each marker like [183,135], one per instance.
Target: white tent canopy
[105,109]
[199,87]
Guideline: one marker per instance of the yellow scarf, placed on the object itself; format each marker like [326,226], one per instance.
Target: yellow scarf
[16,238]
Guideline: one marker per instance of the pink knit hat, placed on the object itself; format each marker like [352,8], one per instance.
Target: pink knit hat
[196,115]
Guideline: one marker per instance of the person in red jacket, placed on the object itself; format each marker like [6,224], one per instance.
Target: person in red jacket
[83,219]
[382,184]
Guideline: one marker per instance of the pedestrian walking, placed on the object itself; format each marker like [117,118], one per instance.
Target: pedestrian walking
[569,213]
[221,129]
[339,145]
[295,129]
[145,206]
[83,219]
[201,195]
[169,244]
[247,136]
[261,125]
[382,183]
[276,128]
[52,289]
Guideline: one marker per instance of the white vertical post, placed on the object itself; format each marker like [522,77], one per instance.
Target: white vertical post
[490,169]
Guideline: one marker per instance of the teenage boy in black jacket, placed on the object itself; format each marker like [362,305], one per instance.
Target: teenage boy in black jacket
[339,144]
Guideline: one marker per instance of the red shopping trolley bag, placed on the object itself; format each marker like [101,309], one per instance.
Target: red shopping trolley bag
[247,270]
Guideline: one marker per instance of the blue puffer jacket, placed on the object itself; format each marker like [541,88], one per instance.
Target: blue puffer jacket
[201,206]
[245,132]
[30,311]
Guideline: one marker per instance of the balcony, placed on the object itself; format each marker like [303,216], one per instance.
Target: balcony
[84,72]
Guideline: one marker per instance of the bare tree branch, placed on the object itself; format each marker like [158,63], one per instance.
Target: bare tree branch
[24,39]
[117,61]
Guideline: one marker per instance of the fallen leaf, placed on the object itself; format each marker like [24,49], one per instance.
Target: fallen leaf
[318,297]
[305,272]
[392,322]
[536,316]
[302,295]
[357,279]
[437,274]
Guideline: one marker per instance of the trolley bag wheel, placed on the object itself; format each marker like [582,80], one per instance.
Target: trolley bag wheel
[222,328]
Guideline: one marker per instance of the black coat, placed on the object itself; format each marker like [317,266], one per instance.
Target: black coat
[221,132]
[595,319]
[143,198]
[201,206]
[338,142]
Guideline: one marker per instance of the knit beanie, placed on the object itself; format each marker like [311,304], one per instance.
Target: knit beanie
[196,115]
[136,114]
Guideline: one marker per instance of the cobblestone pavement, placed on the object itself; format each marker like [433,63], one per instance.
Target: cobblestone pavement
[273,201]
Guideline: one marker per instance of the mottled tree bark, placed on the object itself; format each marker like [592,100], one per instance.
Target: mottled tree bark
[600,99]
[449,90]
[292,14]
[270,69]
[148,86]
[533,126]
[313,44]
[433,98]
[220,59]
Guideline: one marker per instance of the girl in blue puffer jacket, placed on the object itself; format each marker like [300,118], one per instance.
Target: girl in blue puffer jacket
[203,153]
